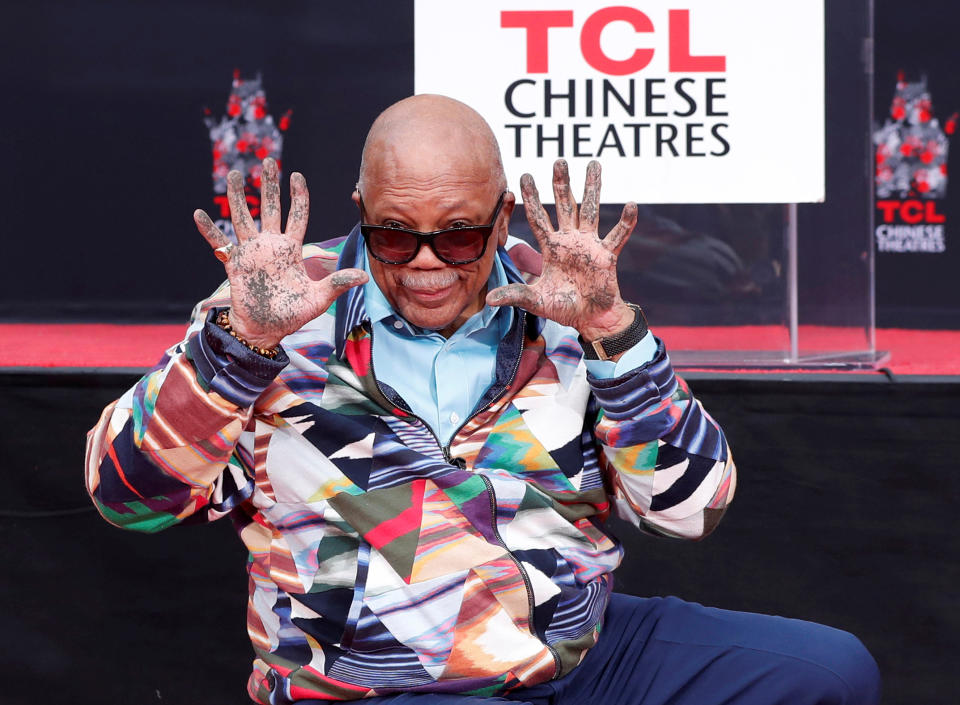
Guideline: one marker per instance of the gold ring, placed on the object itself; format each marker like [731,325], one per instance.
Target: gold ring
[223,253]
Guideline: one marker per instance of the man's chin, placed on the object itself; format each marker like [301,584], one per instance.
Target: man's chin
[444,318]
[441,320]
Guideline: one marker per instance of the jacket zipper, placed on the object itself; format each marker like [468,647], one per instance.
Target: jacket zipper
[513,374]
[445,449]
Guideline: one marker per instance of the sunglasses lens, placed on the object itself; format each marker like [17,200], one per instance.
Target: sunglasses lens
[392,246]
[461,245]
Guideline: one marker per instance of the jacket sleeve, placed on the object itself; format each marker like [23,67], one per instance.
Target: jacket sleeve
[667,463]
[167,449]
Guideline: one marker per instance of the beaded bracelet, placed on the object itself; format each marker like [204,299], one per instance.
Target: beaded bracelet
[223,320]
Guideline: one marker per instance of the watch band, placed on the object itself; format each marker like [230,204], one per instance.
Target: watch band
[605,348]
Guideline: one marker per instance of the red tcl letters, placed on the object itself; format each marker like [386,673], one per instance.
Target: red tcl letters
[539,22]
[911,212]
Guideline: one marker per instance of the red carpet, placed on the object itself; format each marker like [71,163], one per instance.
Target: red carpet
[32,345]
[84,344]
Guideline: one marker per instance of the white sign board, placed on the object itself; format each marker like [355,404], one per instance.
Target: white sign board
[695,101]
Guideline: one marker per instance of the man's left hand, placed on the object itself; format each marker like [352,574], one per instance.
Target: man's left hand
[578,286]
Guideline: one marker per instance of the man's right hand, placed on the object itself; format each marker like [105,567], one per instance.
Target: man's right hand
[271,294]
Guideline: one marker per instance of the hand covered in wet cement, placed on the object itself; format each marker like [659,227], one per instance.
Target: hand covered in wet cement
[271,294]
[578,286]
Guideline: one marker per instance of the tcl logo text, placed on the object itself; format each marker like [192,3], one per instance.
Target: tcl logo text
[538,23]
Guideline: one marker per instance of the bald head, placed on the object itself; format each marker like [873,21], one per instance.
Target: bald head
[430,135]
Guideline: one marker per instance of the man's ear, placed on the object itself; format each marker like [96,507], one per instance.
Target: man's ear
[509,201]
[356,195]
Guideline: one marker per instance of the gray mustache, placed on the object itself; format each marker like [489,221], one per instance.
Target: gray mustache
[428,280]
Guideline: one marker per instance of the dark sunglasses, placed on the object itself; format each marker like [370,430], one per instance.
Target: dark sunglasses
[461,245]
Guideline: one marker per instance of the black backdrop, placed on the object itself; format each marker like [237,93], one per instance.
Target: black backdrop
[110,155]
[107,154]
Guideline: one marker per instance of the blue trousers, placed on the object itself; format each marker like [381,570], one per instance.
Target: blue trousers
[660,651]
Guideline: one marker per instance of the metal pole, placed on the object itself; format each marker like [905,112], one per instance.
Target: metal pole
[793,309]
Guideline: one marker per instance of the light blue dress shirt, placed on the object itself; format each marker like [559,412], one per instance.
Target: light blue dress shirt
[442,379]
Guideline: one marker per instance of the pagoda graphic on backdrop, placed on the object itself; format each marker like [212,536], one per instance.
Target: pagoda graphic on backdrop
[912,146]
[241,139]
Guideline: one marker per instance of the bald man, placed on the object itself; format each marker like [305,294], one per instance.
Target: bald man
[419,431]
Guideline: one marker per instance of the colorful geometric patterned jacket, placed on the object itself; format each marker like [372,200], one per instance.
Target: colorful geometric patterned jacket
[381,561]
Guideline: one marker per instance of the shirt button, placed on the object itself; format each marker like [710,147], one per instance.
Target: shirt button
[398,324]
[454,417]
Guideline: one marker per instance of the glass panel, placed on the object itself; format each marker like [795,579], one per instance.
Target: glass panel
[835,257]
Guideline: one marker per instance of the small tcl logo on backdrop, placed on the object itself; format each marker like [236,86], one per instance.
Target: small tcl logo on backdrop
[538,24]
